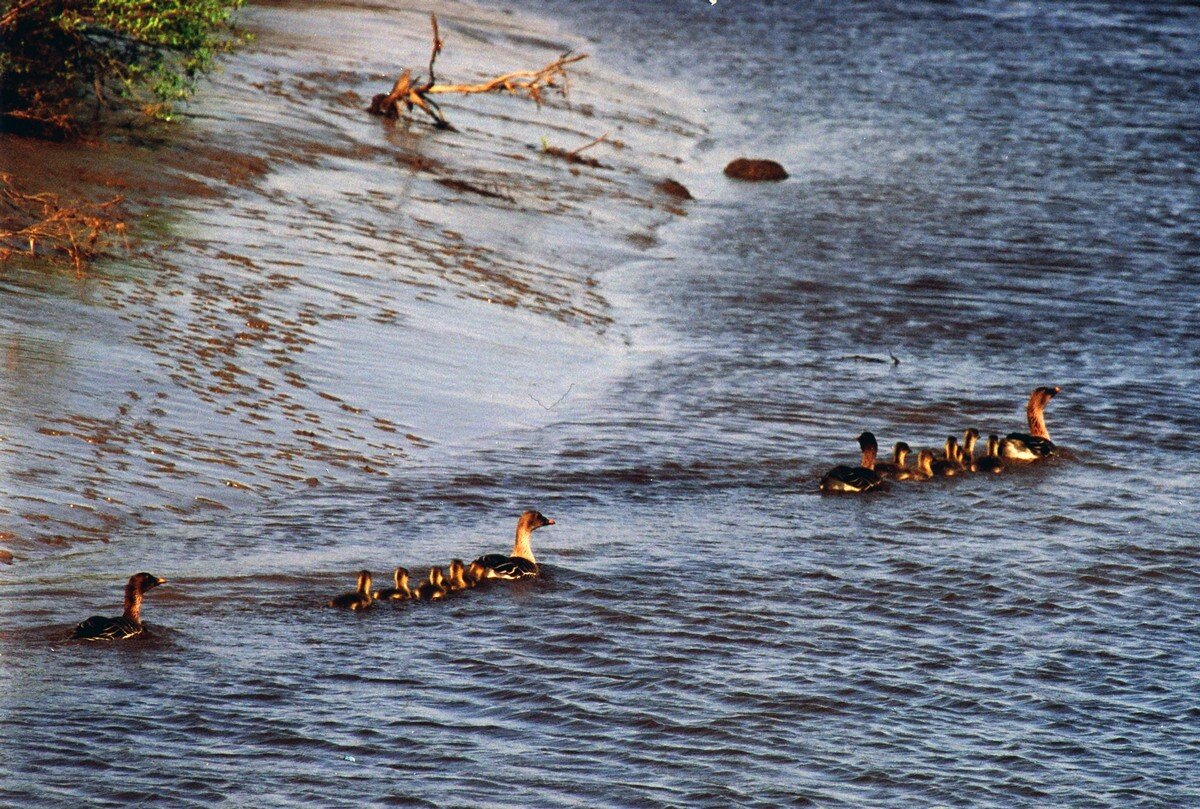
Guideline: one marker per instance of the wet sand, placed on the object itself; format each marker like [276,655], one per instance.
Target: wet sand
[319,295]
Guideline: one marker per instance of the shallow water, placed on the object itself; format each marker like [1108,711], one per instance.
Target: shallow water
[1001,198]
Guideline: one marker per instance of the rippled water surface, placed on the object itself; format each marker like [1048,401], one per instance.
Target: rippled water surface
[1000,196]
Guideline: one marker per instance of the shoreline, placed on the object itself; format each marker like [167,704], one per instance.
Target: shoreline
[240,358]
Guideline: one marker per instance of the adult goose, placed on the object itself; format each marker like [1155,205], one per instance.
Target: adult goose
[520,564]
[1035,444]
[126,625]
[856,479]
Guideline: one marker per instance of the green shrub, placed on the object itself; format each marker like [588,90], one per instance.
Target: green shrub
[62,62]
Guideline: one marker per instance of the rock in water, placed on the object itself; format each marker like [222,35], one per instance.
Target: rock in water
[673,188]
[754,170]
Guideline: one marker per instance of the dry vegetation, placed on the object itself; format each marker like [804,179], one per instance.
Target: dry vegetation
[42,224]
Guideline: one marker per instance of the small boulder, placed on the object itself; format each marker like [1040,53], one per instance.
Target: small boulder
[674,188]
[755,171]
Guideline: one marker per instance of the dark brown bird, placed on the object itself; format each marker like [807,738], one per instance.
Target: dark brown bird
[899,462]
[360,599]
[991,462]
[399,591]
[966,454]
[924,467]
[948,466]
[128,623]
[456,580]
[856,479]
[433,588]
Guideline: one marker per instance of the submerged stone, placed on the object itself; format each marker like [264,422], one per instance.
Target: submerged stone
[755,170]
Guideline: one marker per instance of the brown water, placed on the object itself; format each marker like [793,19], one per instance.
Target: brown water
[1002,198]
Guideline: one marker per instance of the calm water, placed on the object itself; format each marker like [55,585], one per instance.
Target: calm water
[1001,197]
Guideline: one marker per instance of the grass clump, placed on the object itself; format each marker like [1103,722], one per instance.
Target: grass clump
[63,62]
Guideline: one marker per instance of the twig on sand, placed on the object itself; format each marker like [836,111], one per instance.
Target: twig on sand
[864,358]
[574,156]
[495,192]
[557,401]
[409,91]
[600,139]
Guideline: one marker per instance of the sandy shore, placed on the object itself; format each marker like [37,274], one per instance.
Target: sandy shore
[319,295]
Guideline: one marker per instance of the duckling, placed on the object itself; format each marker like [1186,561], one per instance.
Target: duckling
[924,468]
[433,588]
[1035,444]
[126,625]
[898,464]
[520,564]
[948,466]
[360,599]
[456,580]
[991,462]
[399,592]
[475,574]
[966,455]
[855,479]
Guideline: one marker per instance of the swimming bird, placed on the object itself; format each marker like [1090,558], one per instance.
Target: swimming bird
[398,592]
[966,455]
[475,574]
[855,479]
[434,586]
[991,462]
[923,469]
[456,580]
[358,600]
[1036,443]
[520,564]
[899,462]
[128,623]
[948,465]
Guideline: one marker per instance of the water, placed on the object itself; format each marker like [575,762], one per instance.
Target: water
[1001,197]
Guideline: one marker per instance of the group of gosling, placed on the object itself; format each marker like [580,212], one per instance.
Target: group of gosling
[957,458]
[520,564]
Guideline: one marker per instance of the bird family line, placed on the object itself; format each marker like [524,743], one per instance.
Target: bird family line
[870,475]
[1023,448]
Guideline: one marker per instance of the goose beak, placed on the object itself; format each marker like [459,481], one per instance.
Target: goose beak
[157,581]
[549,521]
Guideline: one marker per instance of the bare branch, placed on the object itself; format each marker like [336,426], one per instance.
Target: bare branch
[531,83]
[437,48]
[557,402]
[600,139]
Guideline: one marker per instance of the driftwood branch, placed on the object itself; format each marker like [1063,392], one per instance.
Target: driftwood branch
[411,93]
[528,82]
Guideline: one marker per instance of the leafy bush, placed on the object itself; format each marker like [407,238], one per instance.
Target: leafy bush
[61,60]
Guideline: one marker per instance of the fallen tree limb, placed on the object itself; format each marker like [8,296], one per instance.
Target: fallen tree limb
[408,91]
